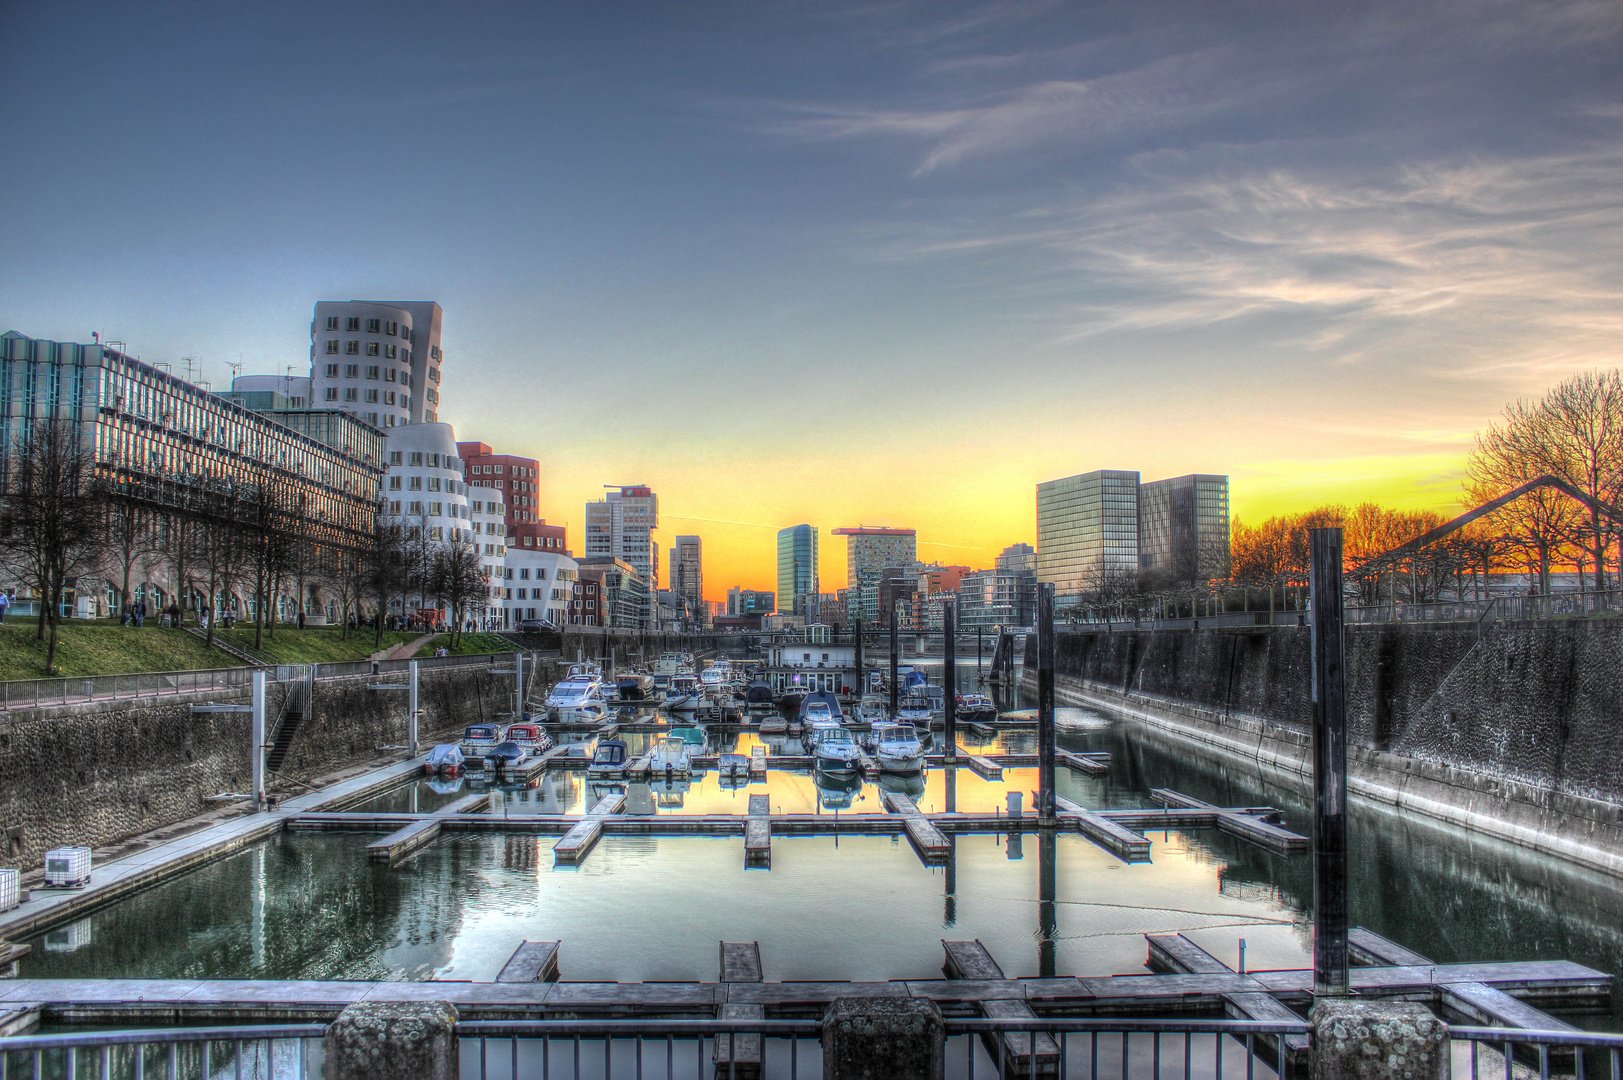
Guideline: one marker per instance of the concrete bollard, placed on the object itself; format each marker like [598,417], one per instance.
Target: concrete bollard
[389,1040]
[1377,1040]
[889,1038]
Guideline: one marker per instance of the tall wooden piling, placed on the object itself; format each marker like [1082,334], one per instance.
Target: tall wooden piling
[895,646]
[1329,765]
[949,682]
[1047,912]
[1045,703]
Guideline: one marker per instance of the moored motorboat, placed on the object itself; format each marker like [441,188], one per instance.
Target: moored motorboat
[506,755]
[896,748]
[533,737]
[609,757]
[975,709]
[835,749]
[758,694]
[444,760]
[477,739]
[733,770]
[671,756]
[913,708]
[773,725]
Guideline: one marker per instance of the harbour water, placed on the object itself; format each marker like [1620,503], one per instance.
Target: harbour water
[311,905]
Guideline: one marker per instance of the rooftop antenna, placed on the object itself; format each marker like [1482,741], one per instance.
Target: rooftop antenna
[236,369]
[193,368]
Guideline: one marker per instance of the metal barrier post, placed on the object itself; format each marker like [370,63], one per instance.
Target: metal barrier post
[411,708]
[949,680]
[1045,703]
[258,739]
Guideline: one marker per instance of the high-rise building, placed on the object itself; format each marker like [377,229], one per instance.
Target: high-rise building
[378,359]
[1018,557]
[687,575]
[627,602]
[868,551]
[621,525]
[1183,527]
[1087,529]
[797,568]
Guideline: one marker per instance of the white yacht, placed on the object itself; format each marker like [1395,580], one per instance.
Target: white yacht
[835,749]
[914,709]
[578,698]
[896,747]
[671,755]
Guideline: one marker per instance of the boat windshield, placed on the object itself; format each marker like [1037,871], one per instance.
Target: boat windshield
[817,710]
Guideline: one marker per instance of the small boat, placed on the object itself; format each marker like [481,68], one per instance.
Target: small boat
[576,693]
[914,709]
[477,739]
[733,767]
[773,725]
[835,749]
[506,755]
[634,687]
[610,757]
[683,693]
[671,756]
[533,737]
[758,694]
[444,760]
[713,677]
[975,709]
[873,709]
[670,663]
[896,747]
[792,698]
[821,705]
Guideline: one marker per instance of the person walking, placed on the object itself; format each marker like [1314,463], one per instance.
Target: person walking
[174,615]
[5,602]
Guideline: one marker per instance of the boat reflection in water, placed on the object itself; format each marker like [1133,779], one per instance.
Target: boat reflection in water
[837,790]
[446,784]
[909,784]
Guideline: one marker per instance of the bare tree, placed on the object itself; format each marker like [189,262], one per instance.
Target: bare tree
[131,538]
[52,523]
[459,580]
[383,569]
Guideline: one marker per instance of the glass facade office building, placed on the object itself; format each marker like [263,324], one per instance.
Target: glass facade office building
[1087,529]
[1183,527]
[175,445]
[797,568]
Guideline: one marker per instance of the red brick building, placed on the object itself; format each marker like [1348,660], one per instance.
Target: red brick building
[517,478]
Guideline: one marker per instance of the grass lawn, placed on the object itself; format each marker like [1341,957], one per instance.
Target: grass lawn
[104,648]
[469,644]
[317,644]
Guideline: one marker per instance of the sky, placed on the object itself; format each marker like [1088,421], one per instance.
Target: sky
[882,263]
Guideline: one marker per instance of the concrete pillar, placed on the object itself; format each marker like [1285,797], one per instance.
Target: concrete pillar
[389,1040]
[1377,1040]
[899,1038]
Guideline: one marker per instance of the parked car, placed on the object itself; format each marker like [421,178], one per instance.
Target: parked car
[535,626]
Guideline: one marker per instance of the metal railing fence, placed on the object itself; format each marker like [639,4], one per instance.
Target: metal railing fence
[265,1052]
[651,1049]
[70,690]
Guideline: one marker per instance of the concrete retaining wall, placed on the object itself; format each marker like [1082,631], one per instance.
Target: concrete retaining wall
[96,773]
[1516,735]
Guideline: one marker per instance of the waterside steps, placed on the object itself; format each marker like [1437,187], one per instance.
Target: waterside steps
[1261,826]
[578,841]
[1174,954]
[531,962]
[971,960]
[402,844]
[932,846]
[1114,837]
[757,835]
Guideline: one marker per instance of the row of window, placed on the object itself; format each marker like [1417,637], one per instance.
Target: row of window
[419,459]
[352,393]
[373,326]
[540,594]
[487,470]
[415,483]
[353,371]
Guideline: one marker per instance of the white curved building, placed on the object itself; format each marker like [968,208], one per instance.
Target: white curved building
[423,485]
[378,359]
[538,585]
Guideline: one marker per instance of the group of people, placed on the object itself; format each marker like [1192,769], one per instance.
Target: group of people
[136,615]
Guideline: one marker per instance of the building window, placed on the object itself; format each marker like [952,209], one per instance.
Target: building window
[540,573]
[394,508]
[417,458]
[371,397]
[371,371]
[372,418]
[395,457]
[352,371]
[332,322]
[394,483]
[351,394]
[332,369]
[389,376]
[353,325]
[371,348]
[374,326]
[388,397]
[415,483]
[391,351]
[394,329]
[332,345]
[353,348]
[434,483]
[416,508]
[436,509]
[433,461]
[436,533]
[523,594]
[332,393]
[388,420]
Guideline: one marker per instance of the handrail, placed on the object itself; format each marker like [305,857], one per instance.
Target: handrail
[68,1040]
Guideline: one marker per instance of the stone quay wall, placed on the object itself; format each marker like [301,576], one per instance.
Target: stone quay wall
[97,773]
[1517,733]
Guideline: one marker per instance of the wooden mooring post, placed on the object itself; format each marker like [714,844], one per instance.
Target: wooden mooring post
[862,676]
[1045,703]
[1329,765]
[949,682]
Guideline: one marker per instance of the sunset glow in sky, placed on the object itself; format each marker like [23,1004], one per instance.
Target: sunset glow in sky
[882,262]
